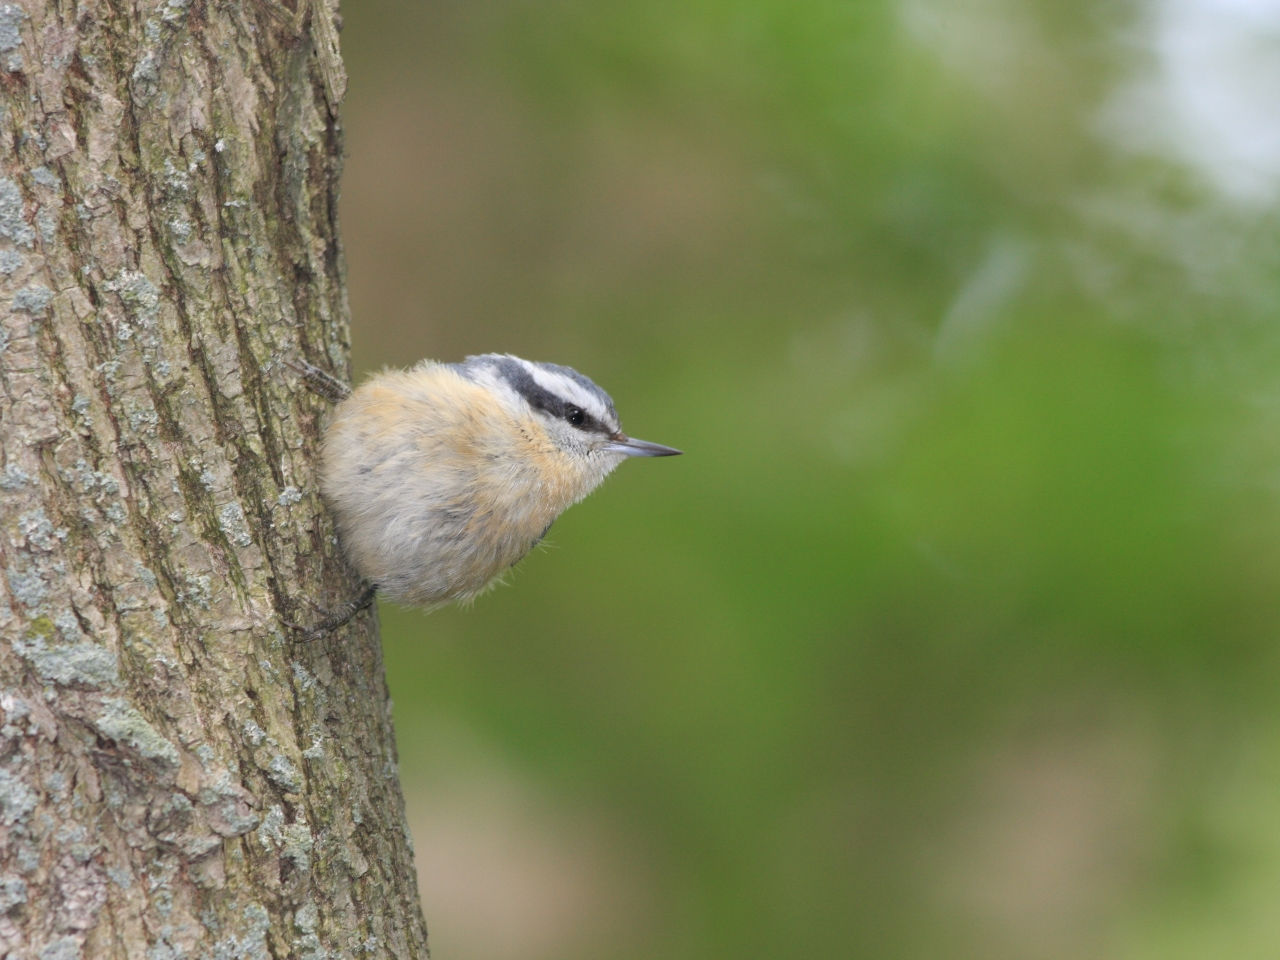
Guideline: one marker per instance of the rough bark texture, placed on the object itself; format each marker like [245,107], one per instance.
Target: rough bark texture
[178,777]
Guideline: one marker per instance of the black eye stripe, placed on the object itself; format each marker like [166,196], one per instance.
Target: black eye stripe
[543,399]
[538,396]
[572,414]
[579,418]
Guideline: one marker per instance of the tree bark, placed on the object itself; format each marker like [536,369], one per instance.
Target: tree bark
[179,777]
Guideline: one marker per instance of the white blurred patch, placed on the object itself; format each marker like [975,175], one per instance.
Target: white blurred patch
[990,43]
[994,284]
[1210,95]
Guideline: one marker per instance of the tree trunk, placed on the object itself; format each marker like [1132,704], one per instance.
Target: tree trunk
[179,777]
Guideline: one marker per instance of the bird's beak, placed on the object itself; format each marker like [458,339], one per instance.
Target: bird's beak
[631,447]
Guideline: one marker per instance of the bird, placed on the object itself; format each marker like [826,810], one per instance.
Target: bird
[443,476]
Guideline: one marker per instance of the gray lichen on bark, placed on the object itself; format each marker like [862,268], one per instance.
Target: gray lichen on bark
[177,777]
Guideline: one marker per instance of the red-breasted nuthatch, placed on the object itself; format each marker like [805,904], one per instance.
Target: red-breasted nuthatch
[443,476]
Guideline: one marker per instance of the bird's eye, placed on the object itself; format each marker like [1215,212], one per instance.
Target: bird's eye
[575,416]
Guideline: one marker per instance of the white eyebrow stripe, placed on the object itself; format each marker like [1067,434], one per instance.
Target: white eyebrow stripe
[567,389]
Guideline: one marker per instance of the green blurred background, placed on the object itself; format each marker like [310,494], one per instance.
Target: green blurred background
[954,634]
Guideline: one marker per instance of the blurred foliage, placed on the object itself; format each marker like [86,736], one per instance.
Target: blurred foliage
[954,633]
